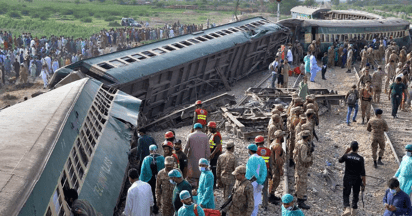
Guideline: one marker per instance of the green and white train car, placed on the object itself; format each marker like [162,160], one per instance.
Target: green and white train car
[76,136]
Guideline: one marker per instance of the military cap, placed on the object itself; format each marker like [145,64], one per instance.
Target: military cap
[408,147]
[252,147]
[287,198]
[310,111]
[275,116]
[153,147]
[184,195]
[279,106]
[298,100]
[230,143]
[197,126]
[310,106]
[302,116]
[393,51]
[239,170]
[378,112]
[279,133]
[305,133]
[175,173]
[169,160]
[203,161]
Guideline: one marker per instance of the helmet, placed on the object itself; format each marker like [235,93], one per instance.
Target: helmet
[168,144]
[169,134]
[212,124]
[198,102]
[259,139]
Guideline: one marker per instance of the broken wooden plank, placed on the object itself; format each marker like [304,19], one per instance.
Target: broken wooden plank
[229,115]
[222,76]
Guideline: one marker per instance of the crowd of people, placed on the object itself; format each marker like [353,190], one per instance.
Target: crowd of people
[25,57]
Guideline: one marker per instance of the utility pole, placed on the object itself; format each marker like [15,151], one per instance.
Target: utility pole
[278,9]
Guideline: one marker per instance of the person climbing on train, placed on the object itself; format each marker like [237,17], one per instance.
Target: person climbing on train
[78,206]
[206,198]
[200,115]
[215,142]
[151,166]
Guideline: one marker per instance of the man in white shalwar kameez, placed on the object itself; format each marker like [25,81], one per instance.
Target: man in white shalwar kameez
[139,196]
[314,68]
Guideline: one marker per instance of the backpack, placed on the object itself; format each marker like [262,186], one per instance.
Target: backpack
[351,101]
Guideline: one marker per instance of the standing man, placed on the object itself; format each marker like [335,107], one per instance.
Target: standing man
[151,166]
[200,115]
[366,77]
[215,142]
[377,125]
[226,164]
[303,160]
[256,172]
[265,154]
[289,54]
[180,185]
[243,197]
[164,189]
[143,144]
[280,74]
[324,64]
[396,201]
[354,177]
[306,59]
[273,68]
[286,69]
[288,207]
[197,147]
[366,98]
[206,198]
[351,99]
[404,172]
[390,73]
[139,196]
[331,56]
[395,95]
[277,159]
[314,68]
[377,78]
[168,151]
[349,60]
[181,157]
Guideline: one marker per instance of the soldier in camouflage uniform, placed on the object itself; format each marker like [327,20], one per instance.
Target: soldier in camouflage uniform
[298,127]
[377,126]
[377,78]
[402,55]
[364,57]
[293,120]
[278,157]
[366,98]
[226,164]
[242,196]
[311,99]
[303,160]
[164,189]
[390,73]
[311,119]
[272,128]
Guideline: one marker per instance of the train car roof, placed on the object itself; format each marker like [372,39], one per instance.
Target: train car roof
[308,10]
[27,138]
[125,72]
[358,13]
[346,23]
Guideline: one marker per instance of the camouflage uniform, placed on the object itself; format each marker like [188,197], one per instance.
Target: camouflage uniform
[402,56]
[364,58]
[164,193]
[377,126]
[294,120]
[311,99]
[303,160]
[370,55]
[366,98]
[277,160]
[394,57]
[242,198]
[381,52]
[390,73]
[226,164]
[377,78]
[272,128]
[331,56]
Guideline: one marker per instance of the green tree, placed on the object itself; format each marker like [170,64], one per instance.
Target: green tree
[309,2]
[285,6]
[335,2]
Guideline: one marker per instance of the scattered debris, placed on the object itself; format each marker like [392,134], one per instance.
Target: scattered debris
[9,97]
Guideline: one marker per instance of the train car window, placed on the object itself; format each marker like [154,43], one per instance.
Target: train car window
[169,48]
[250,26]
[57,201]
[148,53]
[227,32]
[105,66]
[326,38]
[128,59]
[186,43]
[208,37]
[332,38]
[201,39]
[138,56]
[233,30]
[116,63]
[180,46]
[194,41]
[48,213]
[322,37]
[214,35]
[158,51]
[221,33]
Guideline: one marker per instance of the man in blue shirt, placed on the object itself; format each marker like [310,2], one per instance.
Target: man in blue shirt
[395,201]
[143,144]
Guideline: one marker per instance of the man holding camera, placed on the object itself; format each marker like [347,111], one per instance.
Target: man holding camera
[354,177]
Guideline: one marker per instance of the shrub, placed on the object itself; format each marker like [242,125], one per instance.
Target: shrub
[14,14]
[114,24]
[44,16]
[96,15]
[86,20]
[110,18]
[114,13]
[35,15]
[25,12]
[67,12]
[80,14]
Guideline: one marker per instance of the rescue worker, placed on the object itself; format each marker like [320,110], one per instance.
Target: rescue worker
[377,78]
[265,154]
[354,178]
[288,207]
[366,77]
[200,115]
[306,60]
[349,60]
[226,164]
[278,157]
[256,172]
[390,73]
[189,208]
[170,136]
[168,151]
[365,99]
[395,96]
[377,125]
[164,189]
[242,195]
[404,171]
[206,198]
[215,142]
[179,185]
[151,166]
[303,160]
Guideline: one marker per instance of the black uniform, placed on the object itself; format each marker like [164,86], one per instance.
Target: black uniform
[354,170]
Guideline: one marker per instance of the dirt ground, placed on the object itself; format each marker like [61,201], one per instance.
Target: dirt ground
[11,94]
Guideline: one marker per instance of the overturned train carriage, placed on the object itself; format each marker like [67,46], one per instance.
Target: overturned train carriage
[180,70]
[75,136]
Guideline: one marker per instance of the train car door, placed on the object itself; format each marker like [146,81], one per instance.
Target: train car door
[314,32]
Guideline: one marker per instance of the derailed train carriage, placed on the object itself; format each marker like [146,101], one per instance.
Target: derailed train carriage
[76,136]
[180,70]
[328,31]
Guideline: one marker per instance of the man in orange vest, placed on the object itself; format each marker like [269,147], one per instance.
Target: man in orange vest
[265,154]
[168,151]
[215,143]
[200,115]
